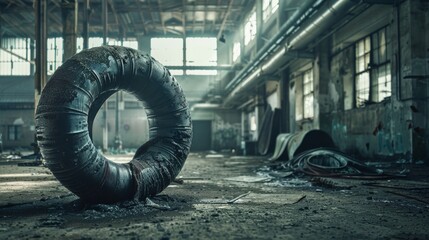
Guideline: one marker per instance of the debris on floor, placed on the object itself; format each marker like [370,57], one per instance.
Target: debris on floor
[248,179]
[286,206]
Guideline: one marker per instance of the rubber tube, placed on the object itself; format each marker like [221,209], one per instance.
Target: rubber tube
[67,109]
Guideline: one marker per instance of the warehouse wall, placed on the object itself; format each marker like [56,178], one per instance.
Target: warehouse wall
[387,128]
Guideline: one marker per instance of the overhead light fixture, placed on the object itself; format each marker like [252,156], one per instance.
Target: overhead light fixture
[222,38]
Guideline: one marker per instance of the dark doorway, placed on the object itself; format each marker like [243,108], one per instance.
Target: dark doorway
[202,135]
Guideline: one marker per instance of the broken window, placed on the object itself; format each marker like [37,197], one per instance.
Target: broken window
[372,70]
[269,7]
[250,28]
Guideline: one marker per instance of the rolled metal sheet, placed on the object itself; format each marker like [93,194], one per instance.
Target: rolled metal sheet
[288,145]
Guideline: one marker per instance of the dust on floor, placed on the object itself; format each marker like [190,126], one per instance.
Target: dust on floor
[218,197]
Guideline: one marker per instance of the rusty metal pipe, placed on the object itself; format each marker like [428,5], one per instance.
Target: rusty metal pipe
[67,109]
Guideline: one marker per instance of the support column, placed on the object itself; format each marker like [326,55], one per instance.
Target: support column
[284,101]
[323,100]
[41,49]
[69,17]
[144,43]
[415,74]
[85,32]
[260,108]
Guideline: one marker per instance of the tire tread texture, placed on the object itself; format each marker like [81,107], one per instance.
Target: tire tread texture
[69,104]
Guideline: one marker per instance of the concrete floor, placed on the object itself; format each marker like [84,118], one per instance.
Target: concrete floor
[218,197]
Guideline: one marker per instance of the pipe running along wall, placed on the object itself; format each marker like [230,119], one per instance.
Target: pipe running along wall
[67,109]
[305,34]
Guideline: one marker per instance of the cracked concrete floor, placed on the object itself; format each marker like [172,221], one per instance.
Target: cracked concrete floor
[217,197]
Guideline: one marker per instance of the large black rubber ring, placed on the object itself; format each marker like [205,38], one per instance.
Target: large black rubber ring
[69,104]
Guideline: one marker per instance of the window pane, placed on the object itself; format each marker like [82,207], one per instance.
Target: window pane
[201,72]
[11,64]
[383,83]
[55,54]
[360,64]
[95,42]
[367,44]
[308,106]
[250,29]
[176,72]
[126,43]
[168,51]
[236,51]
[362,89]
[308,94]
[201,52]
[269,7]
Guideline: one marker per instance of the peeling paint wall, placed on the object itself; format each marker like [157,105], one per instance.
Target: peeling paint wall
[385,128]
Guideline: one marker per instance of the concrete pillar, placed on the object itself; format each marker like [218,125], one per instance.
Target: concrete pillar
[69,12]
[144,43]
[85,27]
[416,75]
[41,48]
[32,56]
[321,77]
[284,101]
[260,108]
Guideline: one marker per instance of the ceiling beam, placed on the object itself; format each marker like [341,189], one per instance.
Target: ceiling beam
[224,19]
[160,16]
[142,17]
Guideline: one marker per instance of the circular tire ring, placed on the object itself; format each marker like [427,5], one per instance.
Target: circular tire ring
[69,104]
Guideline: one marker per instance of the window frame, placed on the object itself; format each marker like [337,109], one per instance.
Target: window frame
[373,69]
[269,9]
[14,132]
[11,65]
[306,99]
[249,36]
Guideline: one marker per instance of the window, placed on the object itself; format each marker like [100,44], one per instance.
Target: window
[236,51]
[10,63]
[308,94]
[14,132]
[169,52]
[250,29]
[372,70]
[126,43]
[253,126]
[269,7]
[381,76]
[55,54]
[363,50]
[201,52]
[304,108]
